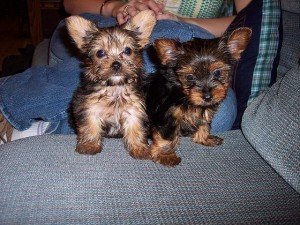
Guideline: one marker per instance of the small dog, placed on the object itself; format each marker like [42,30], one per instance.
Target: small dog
[184,95]
[110,101]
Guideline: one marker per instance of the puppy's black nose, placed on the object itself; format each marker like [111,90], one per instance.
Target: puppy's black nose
[116,65]
[207,97]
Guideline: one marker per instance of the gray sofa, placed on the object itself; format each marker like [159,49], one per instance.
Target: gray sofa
[253,178]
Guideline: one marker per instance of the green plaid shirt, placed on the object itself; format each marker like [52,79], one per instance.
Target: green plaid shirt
[269,41]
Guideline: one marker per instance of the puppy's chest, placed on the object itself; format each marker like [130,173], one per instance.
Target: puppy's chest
[112,106]
[189,119]
[191,116]
[112,99]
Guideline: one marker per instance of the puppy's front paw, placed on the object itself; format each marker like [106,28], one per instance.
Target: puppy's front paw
[140,153]
[167,159]
[210,141]
[90,148]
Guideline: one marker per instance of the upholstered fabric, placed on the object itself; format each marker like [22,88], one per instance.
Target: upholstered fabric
[291,5]
[290,51]
[272,125]
[43,181]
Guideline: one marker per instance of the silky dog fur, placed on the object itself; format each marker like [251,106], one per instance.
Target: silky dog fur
[184,95]
[109,100]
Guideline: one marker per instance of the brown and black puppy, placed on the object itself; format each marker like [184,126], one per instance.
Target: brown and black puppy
[110,101]
[184,95]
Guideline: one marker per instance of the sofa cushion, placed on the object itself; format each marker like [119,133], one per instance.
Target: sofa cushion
[43,181]
[291,5]
[256,70]
[290,51]
[272,125]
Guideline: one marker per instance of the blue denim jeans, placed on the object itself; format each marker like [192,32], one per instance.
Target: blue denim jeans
[44,93]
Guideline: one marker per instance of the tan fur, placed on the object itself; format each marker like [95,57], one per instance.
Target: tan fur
[164,151]
[109,101]
[145,19]
[238,41]
[198,71]
[167,50]
[202,136]
[78,28]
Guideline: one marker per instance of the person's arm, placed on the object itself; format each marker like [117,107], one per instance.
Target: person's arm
[216,26]
[75,7]
[114,8]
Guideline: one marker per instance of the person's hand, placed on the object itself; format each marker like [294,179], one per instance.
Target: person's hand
[132,7]
[165,15]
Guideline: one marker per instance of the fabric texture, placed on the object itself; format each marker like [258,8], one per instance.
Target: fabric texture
[290,51]
[43,181]
[272,125]
[256,70]
[194,8]
[291,6]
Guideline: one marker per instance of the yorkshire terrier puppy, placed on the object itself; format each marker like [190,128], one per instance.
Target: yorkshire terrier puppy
[110,101]
[184,95]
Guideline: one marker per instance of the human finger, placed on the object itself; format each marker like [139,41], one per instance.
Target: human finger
[146,4]
[121,18]
[167,16]
[133,7]
[130,10]
[125,12]
[156,7]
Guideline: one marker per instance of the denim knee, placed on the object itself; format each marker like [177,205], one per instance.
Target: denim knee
[226,114]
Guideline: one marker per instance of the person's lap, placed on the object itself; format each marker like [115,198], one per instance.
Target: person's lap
[44,93]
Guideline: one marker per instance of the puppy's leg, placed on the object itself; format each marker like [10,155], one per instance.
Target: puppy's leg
[163,150]
[135,135]
[202,136]
[89,137]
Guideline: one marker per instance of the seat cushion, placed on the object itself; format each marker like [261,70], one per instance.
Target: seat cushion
[291,5]
[272,125]
[43,181]
[290,51]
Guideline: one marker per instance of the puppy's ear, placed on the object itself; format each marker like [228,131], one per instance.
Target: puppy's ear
[168,51]
[79,28]
[143,24]
[238,41]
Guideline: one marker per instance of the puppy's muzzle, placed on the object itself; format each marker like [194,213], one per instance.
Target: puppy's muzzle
[116,66]
[207,96]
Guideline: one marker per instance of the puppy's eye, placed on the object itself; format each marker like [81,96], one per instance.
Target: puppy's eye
[100,53]
[127,51]
[190,77]
[217,73]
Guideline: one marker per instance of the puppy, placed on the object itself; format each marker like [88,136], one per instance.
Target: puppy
[110,101]
[184,95]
